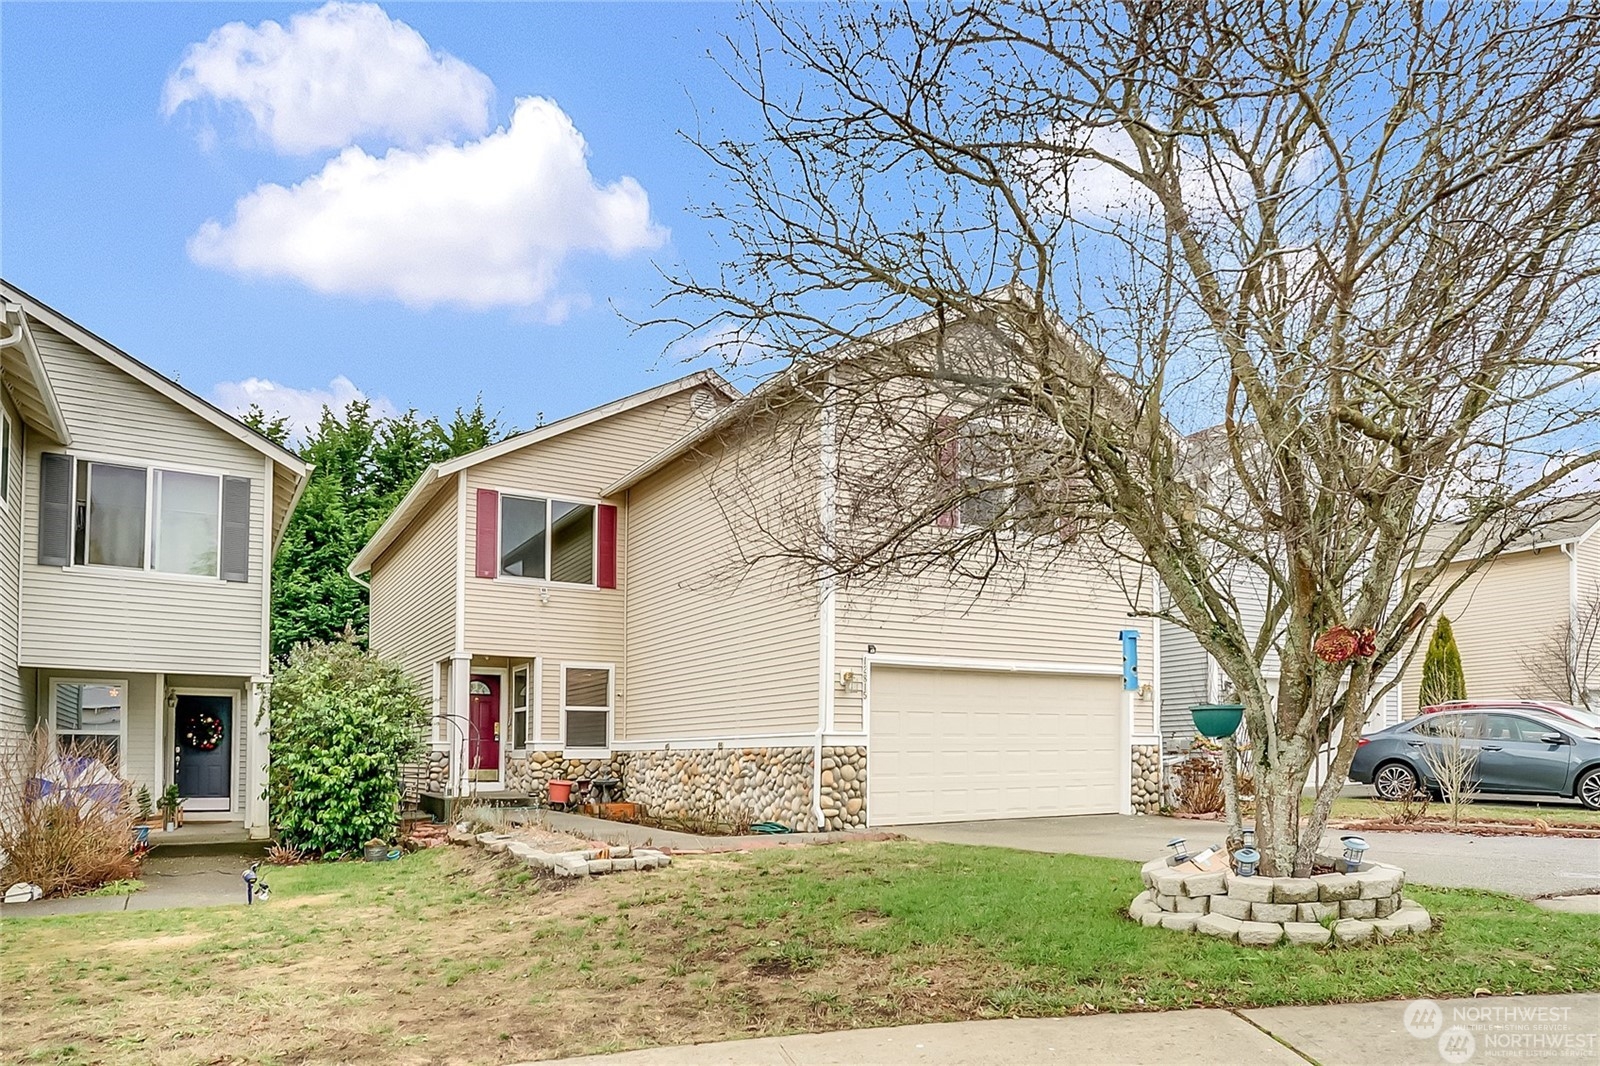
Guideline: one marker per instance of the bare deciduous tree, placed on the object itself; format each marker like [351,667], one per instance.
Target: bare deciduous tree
[1296,298]
[1565,665]
[1452,763]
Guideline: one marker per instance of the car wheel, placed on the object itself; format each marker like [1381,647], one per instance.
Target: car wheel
[1589,790]
[1394,781]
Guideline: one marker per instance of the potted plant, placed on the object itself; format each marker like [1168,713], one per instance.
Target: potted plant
[171,808]
[146,808]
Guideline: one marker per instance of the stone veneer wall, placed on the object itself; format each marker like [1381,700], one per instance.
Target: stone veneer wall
[723,784]
[717,784]
[532,771]
[844,787]
[1146,778]
[431,773]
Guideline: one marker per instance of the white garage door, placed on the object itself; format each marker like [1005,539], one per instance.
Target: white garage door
[958,745]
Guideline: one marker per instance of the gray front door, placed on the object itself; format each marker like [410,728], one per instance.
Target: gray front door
[203,753]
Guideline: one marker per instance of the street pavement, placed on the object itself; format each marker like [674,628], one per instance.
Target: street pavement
[1564,1029]
[1526,866]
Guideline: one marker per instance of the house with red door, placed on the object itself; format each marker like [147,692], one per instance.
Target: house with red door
[586,600]
[137,528]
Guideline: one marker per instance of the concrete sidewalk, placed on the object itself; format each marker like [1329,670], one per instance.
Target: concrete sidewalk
[180,881]
[628,833]
[1524,866]
[1339,1035]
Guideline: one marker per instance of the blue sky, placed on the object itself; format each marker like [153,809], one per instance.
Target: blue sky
[402,238]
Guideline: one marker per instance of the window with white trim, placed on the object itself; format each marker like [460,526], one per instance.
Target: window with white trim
[548,539]
[586,699]
[116,503]
[86,714]
[519,708]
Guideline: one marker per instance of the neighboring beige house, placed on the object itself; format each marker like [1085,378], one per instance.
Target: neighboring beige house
[1516,604]
[575,602]
[137,529]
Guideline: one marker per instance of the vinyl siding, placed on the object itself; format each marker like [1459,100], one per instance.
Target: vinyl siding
[521,619]
[1185,679]
[1499,615]
[122,621]
[13,712]
[1062,615]
[1185,666]
[715,648]
[413,599]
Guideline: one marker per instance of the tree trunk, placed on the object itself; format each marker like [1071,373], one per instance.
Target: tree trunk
[1277,819]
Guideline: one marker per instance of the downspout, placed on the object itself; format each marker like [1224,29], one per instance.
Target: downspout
[828,456]
[12,336]
[1571,550]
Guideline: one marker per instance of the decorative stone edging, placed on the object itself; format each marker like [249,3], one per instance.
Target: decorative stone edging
[1263,911]
[617,858]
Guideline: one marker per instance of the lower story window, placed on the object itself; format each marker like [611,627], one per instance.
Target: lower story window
[88,717]
[586,696]
[519,708]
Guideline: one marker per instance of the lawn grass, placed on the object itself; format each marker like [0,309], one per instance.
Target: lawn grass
[449,955]
[1351,808]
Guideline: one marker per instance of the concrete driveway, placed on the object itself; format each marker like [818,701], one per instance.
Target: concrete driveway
[1521,866]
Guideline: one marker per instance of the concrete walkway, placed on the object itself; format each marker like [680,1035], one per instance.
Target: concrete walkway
[181,881]
[624,833]
[1524,866]
[1340,1035]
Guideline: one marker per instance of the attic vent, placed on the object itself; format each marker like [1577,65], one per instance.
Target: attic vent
[702,403]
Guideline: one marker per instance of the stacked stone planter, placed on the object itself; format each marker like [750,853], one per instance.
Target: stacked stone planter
[1146,779]
[1262,911]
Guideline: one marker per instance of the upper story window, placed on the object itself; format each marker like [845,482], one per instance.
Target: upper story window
[142,518]
[547,539]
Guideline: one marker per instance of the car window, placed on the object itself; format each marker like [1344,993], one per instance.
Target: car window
[1446,725]
[1508,727]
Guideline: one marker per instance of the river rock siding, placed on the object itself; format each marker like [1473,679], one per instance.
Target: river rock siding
[1146,778]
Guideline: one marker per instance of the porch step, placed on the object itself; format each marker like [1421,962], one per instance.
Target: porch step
[438,804]
[203,839]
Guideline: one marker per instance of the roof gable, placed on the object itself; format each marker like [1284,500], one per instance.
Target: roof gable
[143,374]
[437,475]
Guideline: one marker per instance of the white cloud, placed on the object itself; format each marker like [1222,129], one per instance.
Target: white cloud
[303,407]
[334,75]
[484,224]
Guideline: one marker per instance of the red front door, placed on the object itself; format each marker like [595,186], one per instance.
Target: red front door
[483,743]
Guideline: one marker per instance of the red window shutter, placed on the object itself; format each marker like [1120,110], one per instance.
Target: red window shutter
[488,533]
[606,577]
[947,456]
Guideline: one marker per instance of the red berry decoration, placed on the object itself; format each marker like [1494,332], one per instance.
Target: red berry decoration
[1341,644]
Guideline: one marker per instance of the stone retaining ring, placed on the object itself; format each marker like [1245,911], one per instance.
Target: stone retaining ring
[1349,908]
[618,858]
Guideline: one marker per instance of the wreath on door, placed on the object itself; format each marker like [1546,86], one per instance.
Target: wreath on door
[204,732]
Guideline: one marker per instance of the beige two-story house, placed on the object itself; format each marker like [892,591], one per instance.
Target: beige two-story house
[137,530]
[1507,615]
[583,601]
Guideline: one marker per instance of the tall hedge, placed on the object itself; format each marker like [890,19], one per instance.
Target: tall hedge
[343,722]
[1442,676]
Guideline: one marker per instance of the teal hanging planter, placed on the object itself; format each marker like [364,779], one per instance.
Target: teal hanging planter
[1217,720]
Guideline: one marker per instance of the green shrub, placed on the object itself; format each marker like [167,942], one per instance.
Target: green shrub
[1442,676]
[343,722]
